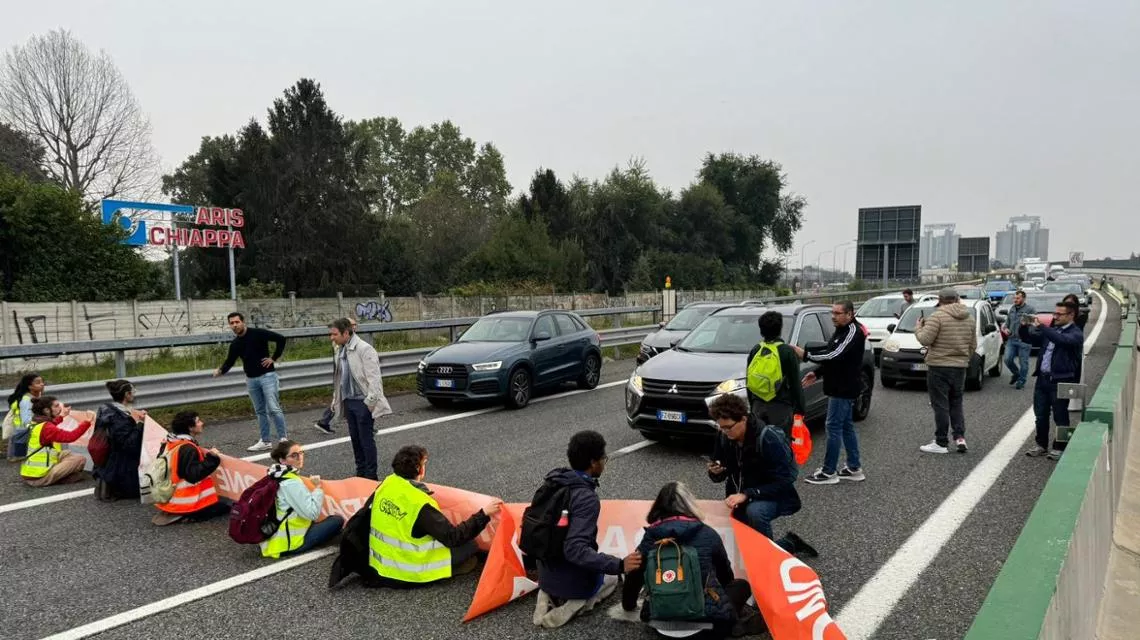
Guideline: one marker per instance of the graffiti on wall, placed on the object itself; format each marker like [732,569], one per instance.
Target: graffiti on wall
[375,311]
[163,323]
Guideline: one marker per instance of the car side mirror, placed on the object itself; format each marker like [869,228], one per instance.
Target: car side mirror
[891,328]
[541,336]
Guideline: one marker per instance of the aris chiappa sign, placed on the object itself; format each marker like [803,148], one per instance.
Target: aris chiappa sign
[189,226]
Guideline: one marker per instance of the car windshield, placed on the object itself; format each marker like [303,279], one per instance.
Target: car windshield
[1008,299]
[909,322]
[881,308]
[1064,287]
[970,293]
[1043,301]
[687,319]
[999,285]
[728,334]
[502,329]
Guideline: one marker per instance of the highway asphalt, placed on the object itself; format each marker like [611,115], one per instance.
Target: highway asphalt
[76,561]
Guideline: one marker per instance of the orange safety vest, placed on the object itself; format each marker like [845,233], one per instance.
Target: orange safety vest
[187,497]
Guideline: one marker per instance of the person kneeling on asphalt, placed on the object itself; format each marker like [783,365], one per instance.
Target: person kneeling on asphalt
[47,463]
[297,507]
[675,528]
[756,464]
[406,551]
[577,579]
[195,499]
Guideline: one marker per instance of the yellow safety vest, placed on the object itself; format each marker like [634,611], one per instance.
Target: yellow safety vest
[392,550]
[17,419]
[291,534]
[40,458]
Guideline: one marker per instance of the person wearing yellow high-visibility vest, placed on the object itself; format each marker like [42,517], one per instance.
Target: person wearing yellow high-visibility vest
[410,541]
[30,387]
[297,507]
[47,463]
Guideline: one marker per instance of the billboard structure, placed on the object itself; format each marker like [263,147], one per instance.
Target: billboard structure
[888,243]
[974,255]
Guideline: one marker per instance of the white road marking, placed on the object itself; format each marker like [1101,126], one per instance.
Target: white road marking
[214,588]
[637,446]
[864,613]
[35,502]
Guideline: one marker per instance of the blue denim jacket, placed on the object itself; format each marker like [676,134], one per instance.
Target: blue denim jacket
[1014,319]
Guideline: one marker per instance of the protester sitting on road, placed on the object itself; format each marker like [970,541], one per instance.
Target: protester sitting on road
[786,399]
[756,464]
[573,582]
[324,424]
[119,476]
[195,498]
[951,341]
[30,387]
[1061,360]
[406,551]
[47,463]
[297,507]
[675,518]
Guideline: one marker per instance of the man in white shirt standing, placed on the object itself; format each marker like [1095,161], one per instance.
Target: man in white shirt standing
[358,393]
[324,425]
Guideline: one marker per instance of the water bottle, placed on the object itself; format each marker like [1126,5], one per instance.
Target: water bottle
[564,519]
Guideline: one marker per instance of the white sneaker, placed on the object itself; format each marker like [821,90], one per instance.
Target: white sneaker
[283,439]
[933,447]
[260,445]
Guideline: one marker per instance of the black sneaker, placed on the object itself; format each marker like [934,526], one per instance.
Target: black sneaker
[799,547]
[337,574]
[750,624]
[1012,380]
[323,428]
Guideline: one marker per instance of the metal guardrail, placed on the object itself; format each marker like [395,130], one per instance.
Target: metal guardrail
[119,347]
[190,387]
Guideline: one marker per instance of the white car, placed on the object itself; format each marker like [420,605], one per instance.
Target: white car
[904,359]
[880,312]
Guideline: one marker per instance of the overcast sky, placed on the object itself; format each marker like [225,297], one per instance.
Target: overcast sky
[977,110]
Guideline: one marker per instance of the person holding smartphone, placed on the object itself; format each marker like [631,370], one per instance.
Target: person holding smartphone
[1062,357]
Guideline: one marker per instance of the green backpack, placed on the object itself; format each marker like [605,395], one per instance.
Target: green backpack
[673,578]
[764,371]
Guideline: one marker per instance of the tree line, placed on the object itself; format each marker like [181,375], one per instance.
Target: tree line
[340,205]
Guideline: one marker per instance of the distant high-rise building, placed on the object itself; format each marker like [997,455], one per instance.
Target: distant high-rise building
[938,246]
[1023,237]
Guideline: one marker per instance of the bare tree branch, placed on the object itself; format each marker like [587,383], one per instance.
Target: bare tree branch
[80,107]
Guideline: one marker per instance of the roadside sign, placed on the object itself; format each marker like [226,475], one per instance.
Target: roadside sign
[1076,259]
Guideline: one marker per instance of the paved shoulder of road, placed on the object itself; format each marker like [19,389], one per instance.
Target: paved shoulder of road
[118,562]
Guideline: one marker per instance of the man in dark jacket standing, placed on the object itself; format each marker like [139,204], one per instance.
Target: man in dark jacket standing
[1062,356]
[789,398]
[575,583]
[755,463]
[841,362]
[251,345]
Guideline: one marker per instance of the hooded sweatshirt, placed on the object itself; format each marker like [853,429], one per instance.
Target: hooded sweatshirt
[579,575]
[950,336]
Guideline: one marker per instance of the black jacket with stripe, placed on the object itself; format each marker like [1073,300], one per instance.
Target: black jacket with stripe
[841,361]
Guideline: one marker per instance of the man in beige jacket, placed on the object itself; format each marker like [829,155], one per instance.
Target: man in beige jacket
[951,340]
[358,393]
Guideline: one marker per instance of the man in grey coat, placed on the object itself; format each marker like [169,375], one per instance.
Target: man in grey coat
[951,339]
[358,393]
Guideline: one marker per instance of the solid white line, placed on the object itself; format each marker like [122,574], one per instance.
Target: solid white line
[35,502]
[206,591]
[862,615]
[631,448]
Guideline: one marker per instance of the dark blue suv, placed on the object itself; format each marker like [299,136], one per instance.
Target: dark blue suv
[510,354]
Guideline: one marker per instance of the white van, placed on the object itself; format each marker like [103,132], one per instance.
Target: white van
[904,359]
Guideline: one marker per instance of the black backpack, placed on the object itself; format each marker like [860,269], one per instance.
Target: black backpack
[541,538]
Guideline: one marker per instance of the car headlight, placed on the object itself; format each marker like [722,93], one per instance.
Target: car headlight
[488,366]
[891,346]
[421,366]
[729,386]
[635,382]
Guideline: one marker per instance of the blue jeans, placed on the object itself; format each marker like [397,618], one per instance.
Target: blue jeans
[360,424]
[1017,359]
[265,393]
[759,515]
[841,431]
[1045,402]
[318,534]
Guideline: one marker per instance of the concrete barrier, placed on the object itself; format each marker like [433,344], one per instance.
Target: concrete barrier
[1052,586]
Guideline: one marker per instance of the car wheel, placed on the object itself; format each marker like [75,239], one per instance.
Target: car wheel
[442,403]
[591,372]
[887,382]
[519,388]
[863,402]
[975,375]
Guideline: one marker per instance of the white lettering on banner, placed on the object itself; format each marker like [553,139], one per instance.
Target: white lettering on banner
[616,541]
[811,591]
[344,508]
[232,481]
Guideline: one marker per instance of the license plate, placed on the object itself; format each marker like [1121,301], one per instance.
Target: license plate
[671,416]
[918,367]
[444,384]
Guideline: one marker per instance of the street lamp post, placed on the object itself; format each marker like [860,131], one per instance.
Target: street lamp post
[845,256]
[835,254]
[803,259]
[818,268]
